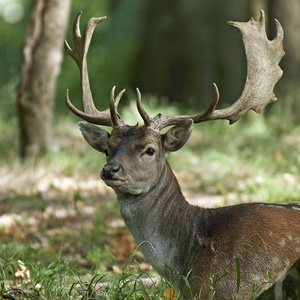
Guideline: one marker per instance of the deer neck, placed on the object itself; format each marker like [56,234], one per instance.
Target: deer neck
[162,223]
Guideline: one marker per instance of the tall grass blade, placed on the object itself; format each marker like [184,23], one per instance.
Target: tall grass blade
[238,274]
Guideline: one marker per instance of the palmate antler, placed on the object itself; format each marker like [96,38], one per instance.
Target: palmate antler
[263,72]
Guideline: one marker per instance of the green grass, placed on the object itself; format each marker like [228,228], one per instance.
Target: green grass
[60,280]
[65,224]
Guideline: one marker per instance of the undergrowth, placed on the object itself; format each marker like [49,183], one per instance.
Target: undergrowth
[60,280]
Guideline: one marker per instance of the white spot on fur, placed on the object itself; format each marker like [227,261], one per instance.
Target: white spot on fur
[289,237]
[275,260]
[256,278]
[297,250]
[282,242]
[287,262]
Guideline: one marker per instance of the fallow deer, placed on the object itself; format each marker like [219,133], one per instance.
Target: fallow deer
[175,237]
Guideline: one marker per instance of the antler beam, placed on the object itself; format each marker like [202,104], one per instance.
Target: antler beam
[108,117]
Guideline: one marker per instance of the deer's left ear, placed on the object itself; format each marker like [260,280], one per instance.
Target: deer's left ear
[178,135]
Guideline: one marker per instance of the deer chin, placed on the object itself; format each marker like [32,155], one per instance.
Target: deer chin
[113,183]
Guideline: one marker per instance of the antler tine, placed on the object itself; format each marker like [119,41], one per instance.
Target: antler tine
[206,115]
[141,110]
[263,72]
[104,119]
[79,55]
[114,102]
[159,122]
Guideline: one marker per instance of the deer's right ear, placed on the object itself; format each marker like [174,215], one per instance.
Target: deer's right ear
[94,135]
[177,135]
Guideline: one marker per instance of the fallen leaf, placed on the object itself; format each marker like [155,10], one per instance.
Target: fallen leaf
[170,293]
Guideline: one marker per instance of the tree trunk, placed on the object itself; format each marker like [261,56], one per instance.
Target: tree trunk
[42,57]
[288,12]
[254,7]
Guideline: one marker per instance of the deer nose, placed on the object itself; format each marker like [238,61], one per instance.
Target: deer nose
[110,170]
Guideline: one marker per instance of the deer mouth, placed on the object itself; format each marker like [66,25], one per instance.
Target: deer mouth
[113,182]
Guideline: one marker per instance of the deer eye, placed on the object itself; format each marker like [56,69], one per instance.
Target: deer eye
[150,151]
[106,152]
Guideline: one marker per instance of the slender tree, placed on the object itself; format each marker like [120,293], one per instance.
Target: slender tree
[42,57]
[254,6]
[288,12]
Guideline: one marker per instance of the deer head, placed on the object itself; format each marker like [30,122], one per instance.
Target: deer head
[132,150]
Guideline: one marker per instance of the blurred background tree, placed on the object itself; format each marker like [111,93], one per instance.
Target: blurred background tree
[288,13]
[42,57]
[171,50]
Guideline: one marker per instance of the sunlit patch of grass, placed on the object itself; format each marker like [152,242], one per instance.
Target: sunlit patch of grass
[58,279]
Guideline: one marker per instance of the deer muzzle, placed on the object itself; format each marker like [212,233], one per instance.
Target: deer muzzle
[112,171]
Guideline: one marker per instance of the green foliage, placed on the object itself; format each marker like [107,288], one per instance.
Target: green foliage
[98,256]
[187,289]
